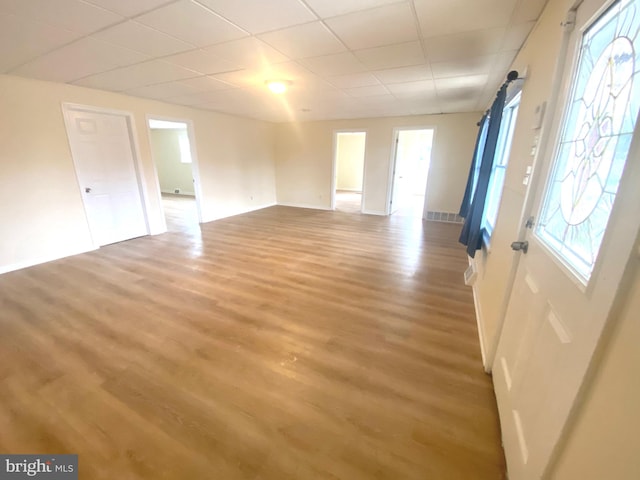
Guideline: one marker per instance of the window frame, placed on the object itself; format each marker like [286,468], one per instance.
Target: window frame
[573,59]
[500,162]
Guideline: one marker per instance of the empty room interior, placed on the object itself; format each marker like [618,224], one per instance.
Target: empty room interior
[320,239]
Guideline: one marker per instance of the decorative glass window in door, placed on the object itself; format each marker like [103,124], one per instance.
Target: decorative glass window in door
[596,135]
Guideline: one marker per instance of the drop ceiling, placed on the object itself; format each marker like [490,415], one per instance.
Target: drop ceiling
[344,58]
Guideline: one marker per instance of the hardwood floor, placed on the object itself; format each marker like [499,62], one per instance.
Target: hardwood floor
[180,212]
[347,201]
[280,344]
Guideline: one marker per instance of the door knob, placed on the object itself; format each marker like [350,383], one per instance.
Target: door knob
[87,189]
[520,246]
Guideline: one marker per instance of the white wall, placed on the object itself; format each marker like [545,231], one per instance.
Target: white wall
[41,209]
[304,160]
[172,173]
[350,151]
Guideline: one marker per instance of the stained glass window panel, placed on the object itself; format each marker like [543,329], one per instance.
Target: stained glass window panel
[595,140]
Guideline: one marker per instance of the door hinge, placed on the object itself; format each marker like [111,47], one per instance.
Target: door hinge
[530,222]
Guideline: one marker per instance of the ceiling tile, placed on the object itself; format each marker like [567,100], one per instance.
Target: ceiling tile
[460,105]
[461,94]
[162,90]
[257,16]
[318,97]
[467,81]
[528,11]
[327,9]
[201,84]
[79,59]
[247,52]
[143,39]
[391,56]
[373,28]
[439,17]
[422,87]
[463,66]
[139,75]
[404,74]
[191,23]
[423,96]
[200,98]
[371,91]
[464,45]
[516,35]
[504,61]
[308,40]
[256,78]
[201,61]
[338,64]
[73,15]
[21,40]
[353,80]
[129,8]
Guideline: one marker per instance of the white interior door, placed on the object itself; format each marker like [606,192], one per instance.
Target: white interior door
[104,160]
[586,231]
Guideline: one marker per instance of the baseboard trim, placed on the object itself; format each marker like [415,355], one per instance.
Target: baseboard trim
[480,324]
[302,205]
[181,194]
[39,261]
[239,212]
[374,212]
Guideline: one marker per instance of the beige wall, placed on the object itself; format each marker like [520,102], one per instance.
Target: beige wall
[41,210]
[172,173]
[604,441]
[350,161]
[539,55]
[304,165]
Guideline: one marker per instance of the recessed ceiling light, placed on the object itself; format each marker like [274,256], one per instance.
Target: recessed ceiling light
[278,86]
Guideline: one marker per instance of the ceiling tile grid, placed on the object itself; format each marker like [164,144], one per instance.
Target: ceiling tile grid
[341,58]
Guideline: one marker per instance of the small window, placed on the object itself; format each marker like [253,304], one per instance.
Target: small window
[498,171]
[185,148]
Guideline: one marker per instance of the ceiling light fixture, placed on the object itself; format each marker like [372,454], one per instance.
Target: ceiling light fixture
[278,86]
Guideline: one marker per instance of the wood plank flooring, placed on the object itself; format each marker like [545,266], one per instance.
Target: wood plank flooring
[279,344]
[180,212]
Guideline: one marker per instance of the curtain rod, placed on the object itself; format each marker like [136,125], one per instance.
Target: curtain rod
[511,76]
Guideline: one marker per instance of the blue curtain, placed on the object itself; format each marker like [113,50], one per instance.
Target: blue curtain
[471,234]
[475,166]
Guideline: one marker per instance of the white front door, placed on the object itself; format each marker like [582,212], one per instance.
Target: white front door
[586,230]
[105,166]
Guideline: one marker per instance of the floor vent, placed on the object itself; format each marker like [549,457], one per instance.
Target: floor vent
[444,217]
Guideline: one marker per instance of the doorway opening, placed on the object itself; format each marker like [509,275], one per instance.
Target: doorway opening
[348,171]
[173,155]
[412,157]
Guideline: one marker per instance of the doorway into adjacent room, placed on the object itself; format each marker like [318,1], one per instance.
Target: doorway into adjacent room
[410,171]
[348,171]
[177,174]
